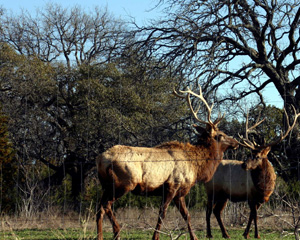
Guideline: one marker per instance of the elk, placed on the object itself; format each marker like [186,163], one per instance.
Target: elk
[168,170]
[238,181]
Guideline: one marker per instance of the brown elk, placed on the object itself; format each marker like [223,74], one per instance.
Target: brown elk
[238,181]
[168,170]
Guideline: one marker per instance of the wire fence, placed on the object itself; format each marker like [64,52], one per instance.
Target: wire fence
[51,206]
[37,208]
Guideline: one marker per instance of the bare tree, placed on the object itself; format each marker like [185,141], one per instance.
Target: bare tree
[235,48]
[232,43]
[57,33]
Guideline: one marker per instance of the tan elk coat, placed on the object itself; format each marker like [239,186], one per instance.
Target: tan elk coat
[168,170]
[146,169]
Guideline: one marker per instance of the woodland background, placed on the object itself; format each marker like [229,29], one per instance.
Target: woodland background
[74,83]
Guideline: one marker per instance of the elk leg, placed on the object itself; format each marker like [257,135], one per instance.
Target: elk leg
[100,215]
[99,221]
[209,208]
[253,216]
[218,208]
[162,212]
[105,208]
[257,206]
[180,204]
[246,233]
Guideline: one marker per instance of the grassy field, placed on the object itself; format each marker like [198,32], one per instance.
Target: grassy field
[77,234]
[138,224]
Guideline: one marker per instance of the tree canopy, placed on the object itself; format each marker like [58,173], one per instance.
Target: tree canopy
[65,116]
[241,45]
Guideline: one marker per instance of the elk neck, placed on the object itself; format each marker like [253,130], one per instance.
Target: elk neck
[264,178]
[204,157]
[211,156]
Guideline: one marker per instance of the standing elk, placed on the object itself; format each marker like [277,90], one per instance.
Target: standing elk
[238,181]
[168,170]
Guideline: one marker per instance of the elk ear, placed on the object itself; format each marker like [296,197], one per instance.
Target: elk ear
[266,151]
[201,131]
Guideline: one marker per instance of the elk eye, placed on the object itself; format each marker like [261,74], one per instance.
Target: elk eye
[219,137]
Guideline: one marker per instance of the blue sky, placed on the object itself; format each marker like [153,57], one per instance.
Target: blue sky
[139,9]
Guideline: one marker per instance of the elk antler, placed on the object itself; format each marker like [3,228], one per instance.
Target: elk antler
[188,93]
[253,145]
[245,141]
[290,128]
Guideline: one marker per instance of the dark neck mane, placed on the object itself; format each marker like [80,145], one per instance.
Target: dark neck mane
[173,145]
[264,178]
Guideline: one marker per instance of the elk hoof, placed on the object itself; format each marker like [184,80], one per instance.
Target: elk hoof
[209,236]
[246,235]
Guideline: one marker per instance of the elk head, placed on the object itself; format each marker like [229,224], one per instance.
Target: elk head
[260,151]
[211,132]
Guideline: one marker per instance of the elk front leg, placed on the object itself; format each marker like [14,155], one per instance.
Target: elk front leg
[180,204]
[256,207]
[253,216]
[162,213]
[209,208]
[246,233]
[218,208]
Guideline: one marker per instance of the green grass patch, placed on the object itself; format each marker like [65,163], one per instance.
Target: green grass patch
[77,234]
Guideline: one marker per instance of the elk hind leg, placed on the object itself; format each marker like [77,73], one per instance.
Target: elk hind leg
[218,208]
[180,204]
[106,202]
[104,209]
[99,221]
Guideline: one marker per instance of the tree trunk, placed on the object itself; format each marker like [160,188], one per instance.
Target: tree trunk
[293,144]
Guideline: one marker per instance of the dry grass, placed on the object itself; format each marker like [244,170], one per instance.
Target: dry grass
[235,217]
